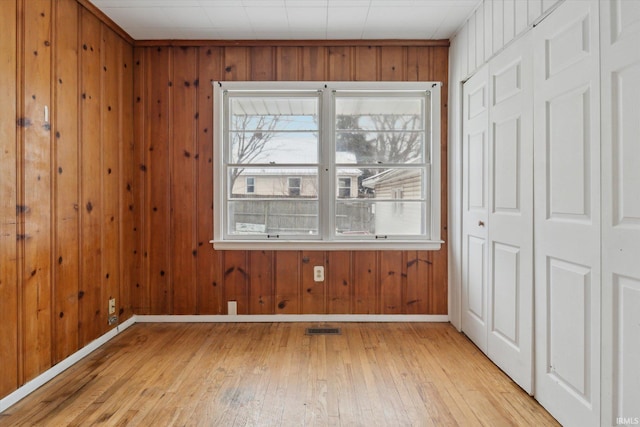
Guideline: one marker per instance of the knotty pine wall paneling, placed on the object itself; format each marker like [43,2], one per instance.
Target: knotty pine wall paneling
[173,122]
[9,313]
[64,183]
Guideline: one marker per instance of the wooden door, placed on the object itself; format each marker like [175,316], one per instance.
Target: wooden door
[475,207]
[567,213]
[510,240]
[620,79]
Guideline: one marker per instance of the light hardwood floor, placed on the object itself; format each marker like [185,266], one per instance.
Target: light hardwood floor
[374,374]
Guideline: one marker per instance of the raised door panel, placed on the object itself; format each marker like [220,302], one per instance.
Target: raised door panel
[567,213]
[620,77]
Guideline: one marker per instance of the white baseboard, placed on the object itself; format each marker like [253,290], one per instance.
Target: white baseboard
[65,364]
[266,318]
[59,368]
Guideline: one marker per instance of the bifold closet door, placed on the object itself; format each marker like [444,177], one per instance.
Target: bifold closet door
[567,213]
[510,239]
[475,207]
[620,79]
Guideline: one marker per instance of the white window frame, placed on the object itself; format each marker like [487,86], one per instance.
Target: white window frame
[326,239]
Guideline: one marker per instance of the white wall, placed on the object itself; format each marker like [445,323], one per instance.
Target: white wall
[493,25]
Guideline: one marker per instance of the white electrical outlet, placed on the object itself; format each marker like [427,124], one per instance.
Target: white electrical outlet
[318,273]
[112,306]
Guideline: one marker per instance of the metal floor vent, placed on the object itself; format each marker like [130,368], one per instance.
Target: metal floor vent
[323,331]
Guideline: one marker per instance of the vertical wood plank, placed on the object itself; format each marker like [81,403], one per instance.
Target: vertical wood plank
[67,237]
[236,63]
[365,282]
[419,282]
[157,184]
[140,289]
[37,284]
[509,14]
[521,17]
[183,181]
[314,63]
[480,58]
[236,285]
[288,64]
[261,289]
[488,28]
[262,62]
[339,285]
[8,201]
[287,282]
[313,293]
[130,195]
[110,106]
[340,63]
[209,262]
[91,180]
[367,63]
[390,275]
[393,60]
[498,25]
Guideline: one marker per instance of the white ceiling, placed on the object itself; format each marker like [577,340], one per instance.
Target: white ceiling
[288,19]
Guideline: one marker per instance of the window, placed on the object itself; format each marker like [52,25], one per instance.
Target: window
[344,188]
[250,185]
[341,165]
[294,186]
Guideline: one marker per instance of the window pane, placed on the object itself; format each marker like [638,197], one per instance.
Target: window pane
[385,183]
[381,129]
[268,113]
[382,147]
[376,113]
[273,147]
[262,217]
[370,217]
[273,183]
[273,129]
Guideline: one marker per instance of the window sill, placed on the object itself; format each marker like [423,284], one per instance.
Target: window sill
[342,245]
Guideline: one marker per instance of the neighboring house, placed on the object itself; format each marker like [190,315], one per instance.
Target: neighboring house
[394,215]
[295,182]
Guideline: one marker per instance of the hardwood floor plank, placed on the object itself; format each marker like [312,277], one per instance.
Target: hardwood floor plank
[272,374]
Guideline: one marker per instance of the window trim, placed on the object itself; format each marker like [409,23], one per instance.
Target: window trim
[328,180]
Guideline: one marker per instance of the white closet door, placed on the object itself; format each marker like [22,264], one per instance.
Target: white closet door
[510,240]
[475,207]
[567,213]
[620,67]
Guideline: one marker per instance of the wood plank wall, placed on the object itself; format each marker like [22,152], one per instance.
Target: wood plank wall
[182,274]
[69,189]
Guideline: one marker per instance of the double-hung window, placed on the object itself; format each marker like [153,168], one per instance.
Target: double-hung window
[319,165]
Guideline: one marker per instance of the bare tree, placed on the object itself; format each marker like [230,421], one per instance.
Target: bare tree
[250,140]
[398,139]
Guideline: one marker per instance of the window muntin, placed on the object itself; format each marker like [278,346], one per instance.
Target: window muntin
[345,136]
